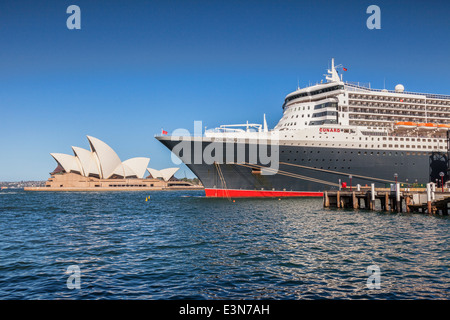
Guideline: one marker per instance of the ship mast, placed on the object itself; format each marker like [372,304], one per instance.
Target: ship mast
[332,76]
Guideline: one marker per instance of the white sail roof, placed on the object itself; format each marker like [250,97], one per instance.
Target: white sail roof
[108,158]
[101,161]
[165,174]
[68,162]
[124,171]
[137,165]
[88,160]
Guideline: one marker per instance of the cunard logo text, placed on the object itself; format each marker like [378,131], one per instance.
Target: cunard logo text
[329,130]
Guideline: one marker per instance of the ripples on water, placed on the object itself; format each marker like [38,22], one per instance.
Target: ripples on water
[180,245]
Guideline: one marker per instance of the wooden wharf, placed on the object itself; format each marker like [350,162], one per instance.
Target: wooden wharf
[429,201]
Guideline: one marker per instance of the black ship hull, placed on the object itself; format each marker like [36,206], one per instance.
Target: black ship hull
[303,170]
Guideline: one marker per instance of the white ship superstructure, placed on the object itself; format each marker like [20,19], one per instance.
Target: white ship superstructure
[366,118]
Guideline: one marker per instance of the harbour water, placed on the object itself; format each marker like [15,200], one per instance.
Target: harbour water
[181,245]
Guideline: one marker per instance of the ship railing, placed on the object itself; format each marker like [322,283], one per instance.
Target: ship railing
[246,127]
[361,86]
[224,130]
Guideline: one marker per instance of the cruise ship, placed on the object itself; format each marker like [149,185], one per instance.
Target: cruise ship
[331,134]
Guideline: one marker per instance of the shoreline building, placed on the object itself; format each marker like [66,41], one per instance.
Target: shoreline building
[100,168]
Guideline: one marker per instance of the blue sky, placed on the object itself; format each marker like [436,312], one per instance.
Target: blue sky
[138,66]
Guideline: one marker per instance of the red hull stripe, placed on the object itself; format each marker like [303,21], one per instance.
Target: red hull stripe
[221,193]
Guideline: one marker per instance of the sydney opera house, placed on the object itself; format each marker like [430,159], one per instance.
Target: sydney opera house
[100,168]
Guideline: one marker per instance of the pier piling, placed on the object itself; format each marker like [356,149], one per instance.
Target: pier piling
[355,201]
[398,203]
[326,200]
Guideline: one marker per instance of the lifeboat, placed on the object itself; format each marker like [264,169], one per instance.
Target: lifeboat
[427,126]
[443,127]
[405,124]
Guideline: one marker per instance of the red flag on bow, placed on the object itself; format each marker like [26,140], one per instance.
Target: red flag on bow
[345,69]
[164,132]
